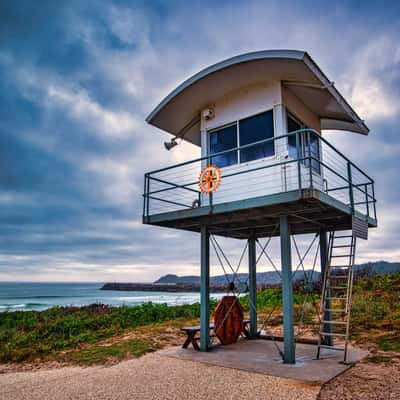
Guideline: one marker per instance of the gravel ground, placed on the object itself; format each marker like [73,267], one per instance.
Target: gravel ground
[365,381]
[151,377]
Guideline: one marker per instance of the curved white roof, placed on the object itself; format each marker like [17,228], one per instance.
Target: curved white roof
[297,71]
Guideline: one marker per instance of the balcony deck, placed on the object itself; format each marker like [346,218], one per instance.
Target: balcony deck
[328,199]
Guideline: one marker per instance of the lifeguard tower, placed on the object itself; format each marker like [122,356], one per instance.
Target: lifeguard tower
[266,170]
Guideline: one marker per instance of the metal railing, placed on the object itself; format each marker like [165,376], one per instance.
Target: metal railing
[302,160]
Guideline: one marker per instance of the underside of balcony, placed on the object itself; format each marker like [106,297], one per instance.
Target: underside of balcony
[308,211]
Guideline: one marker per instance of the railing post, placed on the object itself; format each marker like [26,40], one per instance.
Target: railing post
[366,198]
[144,195]
[148,199]
[309,158]
[298,161]
[351,194]
[373,198]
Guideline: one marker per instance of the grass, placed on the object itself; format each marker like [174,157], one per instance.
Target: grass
[375,313]
[100,354]
[97,333]
[25,336]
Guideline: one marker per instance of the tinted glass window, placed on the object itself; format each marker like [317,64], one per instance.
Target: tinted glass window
[312,146]
[307,146]
[254,129]
[221,140]
[292,126]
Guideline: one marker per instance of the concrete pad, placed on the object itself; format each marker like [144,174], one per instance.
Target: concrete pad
[261,356]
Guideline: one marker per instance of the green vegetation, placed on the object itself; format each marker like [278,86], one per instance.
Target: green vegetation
[97,333]
[376,311]
[30,335]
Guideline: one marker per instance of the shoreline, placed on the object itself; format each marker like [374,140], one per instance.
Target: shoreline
[160,287]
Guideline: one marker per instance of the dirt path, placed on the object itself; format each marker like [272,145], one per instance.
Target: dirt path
[150,377]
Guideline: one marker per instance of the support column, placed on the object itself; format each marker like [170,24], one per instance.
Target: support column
[323,249]
[205,289]
[252,286]
[287,292]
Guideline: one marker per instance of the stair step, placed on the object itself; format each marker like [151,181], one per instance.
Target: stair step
[340,266]
[338,276]
[332,334]
[342,246]
[342,255]
[337,298]
[334,322]
[324,346]
[338,287]
[342,237]
[342,310]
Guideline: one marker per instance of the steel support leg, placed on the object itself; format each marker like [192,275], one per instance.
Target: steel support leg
[205,289]
[323,244]
[252,286]
[287,292]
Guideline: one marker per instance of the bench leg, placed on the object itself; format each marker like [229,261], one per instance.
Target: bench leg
[246,332]
[191,338]
[195,345]
[187,342]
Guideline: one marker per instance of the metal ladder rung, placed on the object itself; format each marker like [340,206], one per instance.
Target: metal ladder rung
[324,346]
[332,334]
[334,322]
[343,237]
[337,287]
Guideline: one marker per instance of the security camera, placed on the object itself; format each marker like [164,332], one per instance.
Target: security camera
[171,144]
[208,114]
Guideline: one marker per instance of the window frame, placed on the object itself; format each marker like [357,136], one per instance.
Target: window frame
[237,124]
[209,132]
[303,144]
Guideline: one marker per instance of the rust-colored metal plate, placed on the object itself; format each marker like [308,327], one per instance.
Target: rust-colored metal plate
[228,319]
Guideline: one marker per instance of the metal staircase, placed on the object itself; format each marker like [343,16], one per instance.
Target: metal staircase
[336,293]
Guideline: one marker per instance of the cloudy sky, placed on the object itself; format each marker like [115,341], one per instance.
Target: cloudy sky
[77,79]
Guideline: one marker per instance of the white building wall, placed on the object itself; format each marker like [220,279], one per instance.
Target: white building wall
[244,103]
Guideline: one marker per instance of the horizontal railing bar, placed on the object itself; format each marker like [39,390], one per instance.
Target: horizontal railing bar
[174,184]
[308,159]
[265,141]
[245,146]
[365,193]
[262,167]
[167,201]
[339,175]
[341,154]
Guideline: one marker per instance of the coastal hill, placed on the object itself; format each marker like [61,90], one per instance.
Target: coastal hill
[191,283]
[272,277]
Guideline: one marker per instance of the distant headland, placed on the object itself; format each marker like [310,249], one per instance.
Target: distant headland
[218,284]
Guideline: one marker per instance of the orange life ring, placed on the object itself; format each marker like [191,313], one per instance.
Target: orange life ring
[210,179]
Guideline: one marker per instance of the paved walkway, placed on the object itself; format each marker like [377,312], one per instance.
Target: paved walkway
[151,377]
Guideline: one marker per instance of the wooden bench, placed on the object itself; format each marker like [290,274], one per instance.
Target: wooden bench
[192,331]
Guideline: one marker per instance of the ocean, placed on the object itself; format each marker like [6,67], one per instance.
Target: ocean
[24,296]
